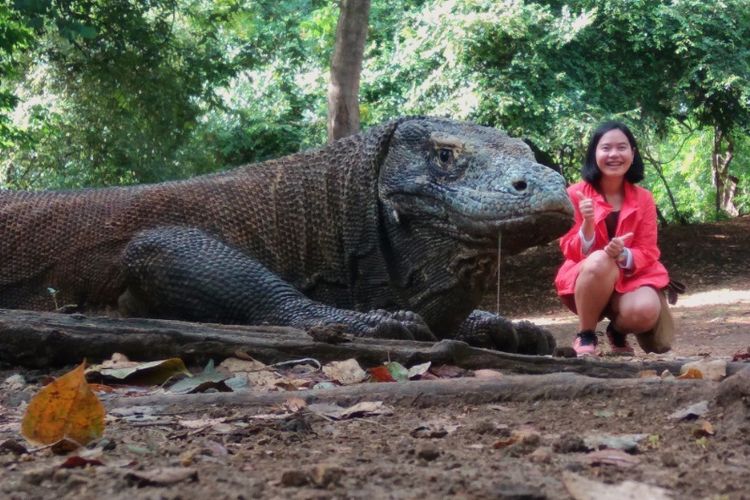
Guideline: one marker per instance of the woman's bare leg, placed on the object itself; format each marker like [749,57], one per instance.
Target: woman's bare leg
[636,311]
[594,287]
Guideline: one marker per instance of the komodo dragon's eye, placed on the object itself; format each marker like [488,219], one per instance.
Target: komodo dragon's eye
[446,156]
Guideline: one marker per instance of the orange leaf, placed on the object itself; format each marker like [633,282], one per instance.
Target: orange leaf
[66,408]
[502,443]
[101,388]
[381,374]
[703,429]
[691,373]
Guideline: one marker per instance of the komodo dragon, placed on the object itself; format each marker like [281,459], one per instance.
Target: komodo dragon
[392,232]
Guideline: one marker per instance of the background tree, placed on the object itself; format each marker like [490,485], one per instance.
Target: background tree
[346,66]
[105,92]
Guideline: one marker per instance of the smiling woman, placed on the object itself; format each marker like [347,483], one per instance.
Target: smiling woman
[612,263]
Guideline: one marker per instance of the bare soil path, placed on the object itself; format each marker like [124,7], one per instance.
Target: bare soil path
[515,445]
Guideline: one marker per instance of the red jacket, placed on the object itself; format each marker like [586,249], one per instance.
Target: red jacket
[637,215]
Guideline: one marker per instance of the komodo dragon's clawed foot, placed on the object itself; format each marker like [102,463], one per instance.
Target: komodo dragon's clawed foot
[398,325]
[490,331]
[484,329]
[533,339]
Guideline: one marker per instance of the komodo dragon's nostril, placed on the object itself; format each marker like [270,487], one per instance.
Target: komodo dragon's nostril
[519,185]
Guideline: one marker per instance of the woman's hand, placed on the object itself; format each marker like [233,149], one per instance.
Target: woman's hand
[586,207]
[616,245]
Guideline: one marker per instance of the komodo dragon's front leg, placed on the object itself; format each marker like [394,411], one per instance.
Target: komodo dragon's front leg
[185,273]
[484,329]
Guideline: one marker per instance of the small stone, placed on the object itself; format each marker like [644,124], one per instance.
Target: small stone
[36,476]
[530,439]
[668,459]
[574,467]
[325,475]
[14,382]
[13,446]
[516,491]
[61,475]
[569,443]
[542,455]
[564,352]
[294,478]
[107,444]
[484,427]
[428,452]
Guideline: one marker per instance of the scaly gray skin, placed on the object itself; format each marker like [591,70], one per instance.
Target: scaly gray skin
[391,232]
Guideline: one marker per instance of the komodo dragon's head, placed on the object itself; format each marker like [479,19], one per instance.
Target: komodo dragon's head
[471,182]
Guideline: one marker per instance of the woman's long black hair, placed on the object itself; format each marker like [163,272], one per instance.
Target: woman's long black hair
[590,171]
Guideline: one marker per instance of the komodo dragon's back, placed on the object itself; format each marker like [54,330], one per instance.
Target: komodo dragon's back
[71,242]
[392,232]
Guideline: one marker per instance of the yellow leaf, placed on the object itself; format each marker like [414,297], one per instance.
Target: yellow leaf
[691,373]
[66,408]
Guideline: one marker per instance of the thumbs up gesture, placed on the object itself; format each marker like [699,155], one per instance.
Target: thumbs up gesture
[617,244]
[586,207]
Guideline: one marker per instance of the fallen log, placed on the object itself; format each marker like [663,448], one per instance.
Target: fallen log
[35,340]
[427,393]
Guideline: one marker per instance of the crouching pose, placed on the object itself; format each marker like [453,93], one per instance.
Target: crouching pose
[612,266]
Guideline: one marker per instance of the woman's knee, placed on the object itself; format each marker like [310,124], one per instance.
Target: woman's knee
[599,265]
[642,313]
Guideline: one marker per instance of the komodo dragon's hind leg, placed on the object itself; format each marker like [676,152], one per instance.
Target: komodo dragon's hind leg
[183,273]
[484,329]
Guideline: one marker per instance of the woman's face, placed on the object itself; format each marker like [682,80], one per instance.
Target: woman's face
[614,154]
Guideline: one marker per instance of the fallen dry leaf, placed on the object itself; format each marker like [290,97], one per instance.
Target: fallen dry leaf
[625,442]
[209,378]
[397,371]
[609,456]
[488,374]
[363,409]
[419,370]
[294,404]
[101,388]
[236,365]
[710,369]
[345,372]
[200,423]
[691,412]
[505,442]
[703,429]
[64,409]
[691,373]
[134,372]
[381,374]
[162,476]
[448,371]
[79,462]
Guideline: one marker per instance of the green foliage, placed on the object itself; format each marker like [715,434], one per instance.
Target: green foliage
[98,92]
[15,37]
[711,43]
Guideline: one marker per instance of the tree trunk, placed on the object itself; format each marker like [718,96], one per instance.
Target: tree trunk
[725,183]
[680,218]
[435,393]
[346,66]
[41,339]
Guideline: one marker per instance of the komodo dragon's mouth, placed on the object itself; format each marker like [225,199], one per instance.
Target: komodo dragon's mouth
[518,232]
[521,225]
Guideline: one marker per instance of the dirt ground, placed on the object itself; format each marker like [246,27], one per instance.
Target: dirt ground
[517,447]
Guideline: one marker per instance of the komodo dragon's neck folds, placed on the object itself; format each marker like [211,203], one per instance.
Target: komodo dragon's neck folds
[392,232]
